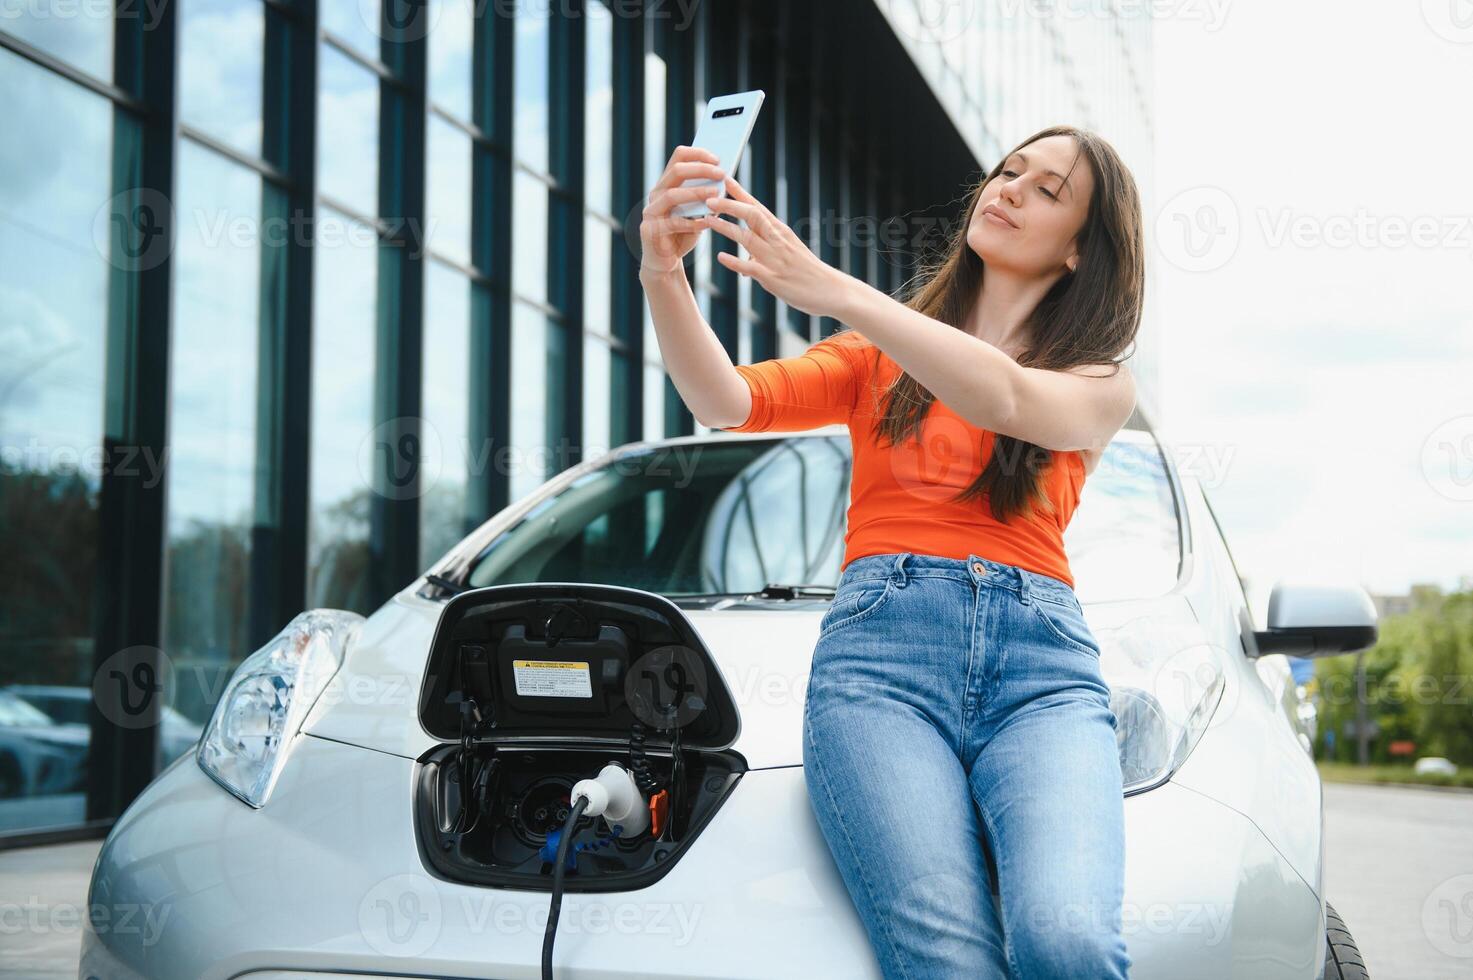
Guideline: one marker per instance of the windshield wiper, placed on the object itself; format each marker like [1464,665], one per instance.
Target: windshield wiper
[440,581]
[774,590]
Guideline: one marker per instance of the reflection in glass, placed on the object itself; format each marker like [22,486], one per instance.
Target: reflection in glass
[347,132]
[1124,541]
[451,43]
[718,517]
[54,175]
[343,451]
[220,65]
[597,394]
[597,363]
[448,191]
[598,129]
[447,400]
[212,421]
[656,156]
[356,22]
[530,58]
[734,515]
[80,34]
[538,354]
[529,232]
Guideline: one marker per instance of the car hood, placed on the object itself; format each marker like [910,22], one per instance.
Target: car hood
[763,653]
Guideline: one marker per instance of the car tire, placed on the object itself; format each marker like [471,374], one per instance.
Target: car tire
[1342,958]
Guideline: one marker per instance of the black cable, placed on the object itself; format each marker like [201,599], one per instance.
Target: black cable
[557,885]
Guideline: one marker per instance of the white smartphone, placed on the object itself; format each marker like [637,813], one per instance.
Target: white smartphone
[723,131]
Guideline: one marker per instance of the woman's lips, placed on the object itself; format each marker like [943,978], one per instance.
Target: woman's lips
[998,218]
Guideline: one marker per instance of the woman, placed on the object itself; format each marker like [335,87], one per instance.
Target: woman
[958,735]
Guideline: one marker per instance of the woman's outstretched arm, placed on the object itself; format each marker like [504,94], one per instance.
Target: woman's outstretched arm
[698,365]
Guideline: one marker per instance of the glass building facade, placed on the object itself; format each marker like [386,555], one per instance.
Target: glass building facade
[294,293]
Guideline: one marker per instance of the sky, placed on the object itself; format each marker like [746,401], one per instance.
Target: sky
[1312,244]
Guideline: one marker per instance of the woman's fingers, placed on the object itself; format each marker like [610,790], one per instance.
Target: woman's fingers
[757,219]
[746,267]
[663,201]
[742,236]
[674,225]
[693,168]
[684,155]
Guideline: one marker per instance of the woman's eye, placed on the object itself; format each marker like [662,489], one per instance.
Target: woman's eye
[1008,173]
[1050,194]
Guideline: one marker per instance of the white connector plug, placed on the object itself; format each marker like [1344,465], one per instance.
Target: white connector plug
[614,795]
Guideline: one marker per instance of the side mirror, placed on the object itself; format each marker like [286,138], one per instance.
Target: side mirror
[1318,620]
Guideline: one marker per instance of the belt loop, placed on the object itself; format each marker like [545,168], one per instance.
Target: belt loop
[1023,590]
[899,573]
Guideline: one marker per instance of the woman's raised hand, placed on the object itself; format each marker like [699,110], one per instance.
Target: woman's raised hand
[666,237]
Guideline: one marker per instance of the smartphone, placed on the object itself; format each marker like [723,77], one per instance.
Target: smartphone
[724,131]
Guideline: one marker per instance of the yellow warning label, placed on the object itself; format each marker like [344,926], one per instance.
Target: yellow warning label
[553,678]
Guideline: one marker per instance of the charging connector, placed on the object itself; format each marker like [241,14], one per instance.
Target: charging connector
[614,796]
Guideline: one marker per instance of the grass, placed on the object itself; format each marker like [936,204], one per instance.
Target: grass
[1346,772]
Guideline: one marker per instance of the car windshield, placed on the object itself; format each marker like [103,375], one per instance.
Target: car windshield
[732,516]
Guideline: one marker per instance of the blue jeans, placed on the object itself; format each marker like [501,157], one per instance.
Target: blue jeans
[956,705]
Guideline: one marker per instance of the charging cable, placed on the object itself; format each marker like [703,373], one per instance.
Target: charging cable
[613,795]
[557,885]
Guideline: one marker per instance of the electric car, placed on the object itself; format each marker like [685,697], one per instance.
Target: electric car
[394,795]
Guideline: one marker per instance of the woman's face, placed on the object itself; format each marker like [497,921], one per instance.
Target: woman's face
[1046,212]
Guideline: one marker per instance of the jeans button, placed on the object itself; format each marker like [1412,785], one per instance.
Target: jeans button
[979,568]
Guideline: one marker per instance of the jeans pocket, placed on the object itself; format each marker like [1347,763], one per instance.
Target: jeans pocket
[854,602]
[1067,624]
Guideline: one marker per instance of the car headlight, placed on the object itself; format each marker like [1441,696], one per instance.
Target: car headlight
[1159,718]
[244,746]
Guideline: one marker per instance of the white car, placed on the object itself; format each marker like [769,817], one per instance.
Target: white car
[675,588]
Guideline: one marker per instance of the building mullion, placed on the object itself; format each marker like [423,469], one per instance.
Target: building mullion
[397,466]
[755,69]
[680,119]
[489,486]
[128,614]
[565,260]
[278,577]
[626,295]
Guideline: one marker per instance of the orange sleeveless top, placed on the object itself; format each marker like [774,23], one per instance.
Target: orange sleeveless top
[900,496]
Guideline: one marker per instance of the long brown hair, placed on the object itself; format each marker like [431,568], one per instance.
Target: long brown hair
[1089,316]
